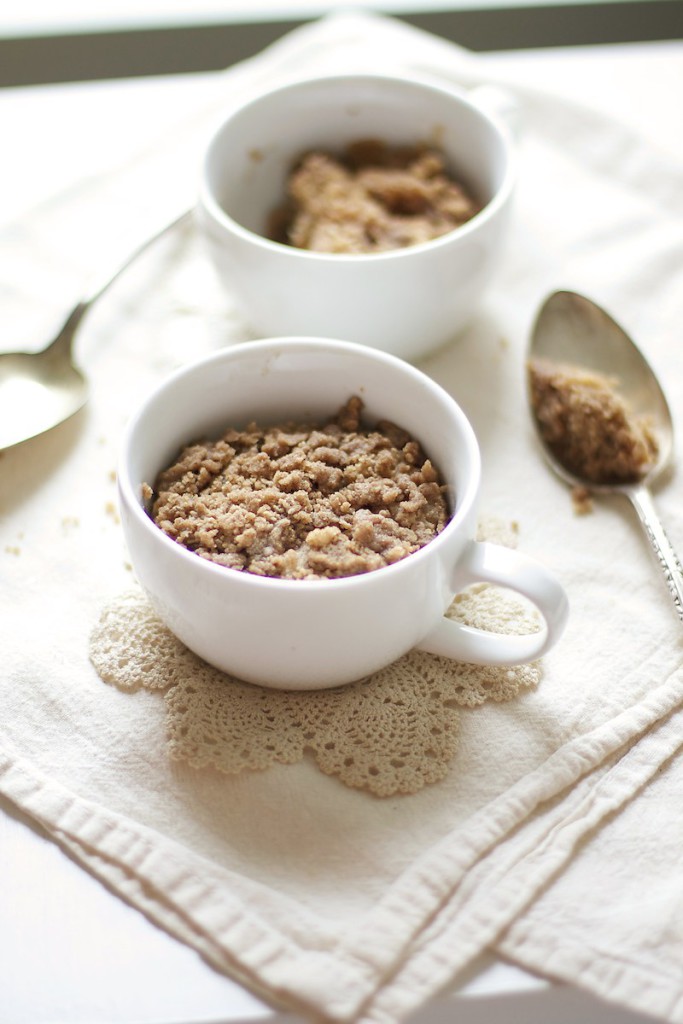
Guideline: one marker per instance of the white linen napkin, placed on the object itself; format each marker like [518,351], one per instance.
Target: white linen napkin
[321,899]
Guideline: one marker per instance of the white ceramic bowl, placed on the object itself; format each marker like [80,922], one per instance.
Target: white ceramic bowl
[406,301]
[304,634]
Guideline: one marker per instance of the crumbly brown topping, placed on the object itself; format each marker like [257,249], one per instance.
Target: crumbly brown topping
[582,500]
[372,198]
[588,426]
[302,502]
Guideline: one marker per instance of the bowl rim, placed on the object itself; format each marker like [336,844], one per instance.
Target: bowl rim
[209,205]
[131,501]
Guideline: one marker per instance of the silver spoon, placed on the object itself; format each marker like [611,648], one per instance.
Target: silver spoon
[571,329]
[38,390]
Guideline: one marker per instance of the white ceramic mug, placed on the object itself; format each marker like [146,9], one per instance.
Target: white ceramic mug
[307,634]
[406,301]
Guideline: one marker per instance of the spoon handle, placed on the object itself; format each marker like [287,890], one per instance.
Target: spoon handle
[99,286]
[641,499]
[62,341]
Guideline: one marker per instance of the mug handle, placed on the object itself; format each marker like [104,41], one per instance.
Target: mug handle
[491,563]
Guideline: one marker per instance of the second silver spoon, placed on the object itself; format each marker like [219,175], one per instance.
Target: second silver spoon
[38,390]
[572,330]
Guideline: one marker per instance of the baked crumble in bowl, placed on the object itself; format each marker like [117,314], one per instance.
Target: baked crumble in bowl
[275,622]
[419,281]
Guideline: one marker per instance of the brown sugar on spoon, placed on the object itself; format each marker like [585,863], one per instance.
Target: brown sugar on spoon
[588,426]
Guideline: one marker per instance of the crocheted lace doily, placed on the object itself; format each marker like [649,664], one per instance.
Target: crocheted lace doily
[391,733]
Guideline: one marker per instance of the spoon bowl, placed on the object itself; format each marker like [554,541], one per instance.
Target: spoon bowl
[572,330]
[39,390]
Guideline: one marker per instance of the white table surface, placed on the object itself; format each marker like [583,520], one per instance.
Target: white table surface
[70,951]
